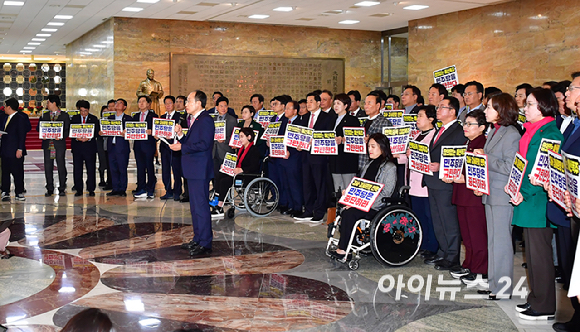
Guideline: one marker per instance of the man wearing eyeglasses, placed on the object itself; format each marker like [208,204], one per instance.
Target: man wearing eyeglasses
[473,97]
[443,213]
[409,99]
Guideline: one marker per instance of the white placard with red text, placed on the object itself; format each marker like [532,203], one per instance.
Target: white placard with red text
[229,164]
[477,174]
[277,147]
[398,138]
[354,140]
[541,169]
[324,143]
[79,130]
[163,128]
[51,130]
[516,175]
[557,178]
[361,194]
[572,166]
[419,158]
[451,163]
[220,130]
[136,130]
[298,137]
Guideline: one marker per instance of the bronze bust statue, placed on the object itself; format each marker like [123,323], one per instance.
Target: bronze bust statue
[152,88]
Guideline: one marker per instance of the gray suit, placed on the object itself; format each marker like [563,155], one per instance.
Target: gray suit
[500,148]
[463,114]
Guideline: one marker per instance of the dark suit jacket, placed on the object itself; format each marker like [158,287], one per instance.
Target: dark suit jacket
[16,137]
[344,163]
[196,149]
[295,158]
[324,122]
[360,113]
[64,117]
[121,144]
[220,149]
[150,143]
[178,121]
[451,136]
[90,144]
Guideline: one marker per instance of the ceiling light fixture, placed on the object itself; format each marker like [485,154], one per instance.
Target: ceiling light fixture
[132,9]
[63,17]
[416,7]
[49,30]
[367,3]
[25,51]
[349,22]
[148,1]
[56,24]
[38,39]
[29,48]
[33,43]
[43,35]
[284,9]
[13,3]
[259,16]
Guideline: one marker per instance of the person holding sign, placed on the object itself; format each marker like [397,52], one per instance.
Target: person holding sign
[170,160]
[248,112]
[470,210]
[443,212]
[375,123]
[248,162]
[501,147]
[343,166]
[197,165]
[118,149]
[530,210]
[221,147]
[13,150]
[380,169]
[102,153]
[85,151]
[55,149]
[145,151]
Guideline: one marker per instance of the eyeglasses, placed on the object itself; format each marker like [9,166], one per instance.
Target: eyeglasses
[446,107]
[467,124]
[468,94]
[572,88]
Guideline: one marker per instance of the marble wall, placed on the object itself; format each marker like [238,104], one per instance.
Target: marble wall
[501,45]
[148,43]
[90,65]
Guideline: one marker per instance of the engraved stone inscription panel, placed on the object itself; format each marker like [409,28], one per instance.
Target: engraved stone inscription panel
[238,77]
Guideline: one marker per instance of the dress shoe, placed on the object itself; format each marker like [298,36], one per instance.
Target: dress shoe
[108,187]
[433,261]
[113,193]
[484,291]
[199,250]
[61,192]
[166,196]
[282,209]
[78,193]
[184,200]
[287,212]
[428,254]
[444,265]
[566,327]
[102,184]
[176,198]
[48,193]
[122,194]
[91,193]
[189,245]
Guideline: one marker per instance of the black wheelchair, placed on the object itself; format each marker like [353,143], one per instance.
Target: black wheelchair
[394,235]
[253,193]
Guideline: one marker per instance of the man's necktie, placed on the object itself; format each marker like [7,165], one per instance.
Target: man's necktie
[311,125]
[439,135]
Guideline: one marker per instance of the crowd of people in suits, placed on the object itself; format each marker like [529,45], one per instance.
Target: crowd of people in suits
[488,121]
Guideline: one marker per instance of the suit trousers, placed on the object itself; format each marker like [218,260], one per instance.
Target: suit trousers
[422,210]
[118,163]
[146,178]
[103,161]
[200,215]
[474,234]
[541,271]
[275,174]
[445,224]
[314,188]
[171,161]
[15,167]
[291,178]
[60,165]
[500,254]
[89,157]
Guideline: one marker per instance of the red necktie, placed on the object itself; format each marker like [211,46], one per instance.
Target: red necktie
[84,120]
[439,134]
[142,116]
[311,121]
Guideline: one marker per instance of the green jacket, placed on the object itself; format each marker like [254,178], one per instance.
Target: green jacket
[531,212]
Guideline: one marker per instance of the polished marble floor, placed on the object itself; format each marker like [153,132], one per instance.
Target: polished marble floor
[264,274]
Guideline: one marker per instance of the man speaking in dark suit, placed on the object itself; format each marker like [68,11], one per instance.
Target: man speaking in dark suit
[315,167]
[197,165]
[55,148]
[443,213]
[13,149]
[85,150]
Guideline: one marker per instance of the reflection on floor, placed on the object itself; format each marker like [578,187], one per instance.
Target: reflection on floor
[267,274]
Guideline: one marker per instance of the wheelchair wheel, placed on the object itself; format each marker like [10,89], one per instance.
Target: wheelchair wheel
[396,235]
[261,197]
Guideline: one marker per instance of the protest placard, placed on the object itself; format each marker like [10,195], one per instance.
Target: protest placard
[541,169]
[235,138]
[107,114]
[396,117]
[277,147]
[451,162]
[557,178]
[136,130]
[354,140]
[220,130]
[263,117]
[446,76]
[411,121]
[163,128]
[272,130]
[572,165]
[229,164]
[516,175]
[111,127]
[388,107]
[298,137]
[361,194]
[82,130]
[476,170]
[419,159]
[398,138]
[72,113]
[363,120]
[133,114]
[522,119]
[51,130]
[324,143]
